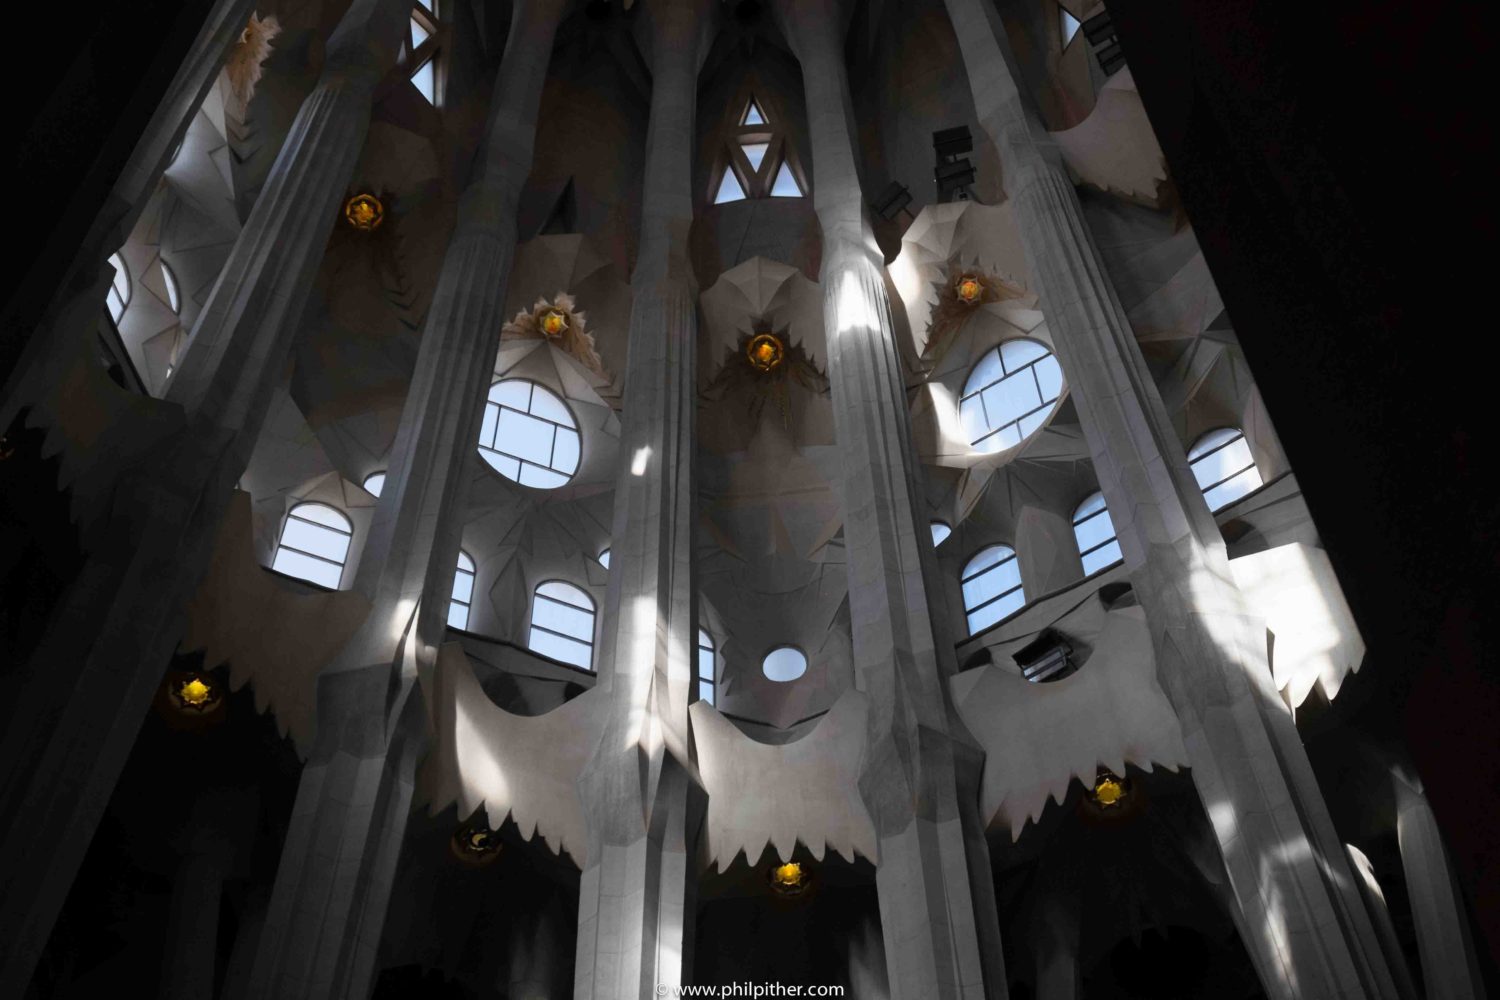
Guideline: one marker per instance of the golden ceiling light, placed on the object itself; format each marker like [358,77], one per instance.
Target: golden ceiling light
[765,352]
[6,448]
[364,212]
[790,879]
[554,323]
[970,289]
[195,693]
[1110,790]
[475,843]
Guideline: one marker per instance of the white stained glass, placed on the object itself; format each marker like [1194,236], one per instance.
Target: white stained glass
[374,483]
[463,592]
[784,664]
[174,297]
[729,189]
[419,34]
[562,624]
[425,79]
[529,435]
[940,532]
[1095,533]
[1224,467]
[705,667]
[1009,395]
[604,558]
[755,152]
[118,295]
[992,587]
[786,185]
[1069,26]
[314,544]
[752,115]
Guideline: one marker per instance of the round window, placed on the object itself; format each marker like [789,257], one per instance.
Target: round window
[1010,394]
[785,663]
[529,435]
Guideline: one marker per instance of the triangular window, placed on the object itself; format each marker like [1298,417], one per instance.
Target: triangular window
[753,114]
[786,185]
[729,189]
[425,79]
[419,52]
[419,33]
[755,152]
[1070,26]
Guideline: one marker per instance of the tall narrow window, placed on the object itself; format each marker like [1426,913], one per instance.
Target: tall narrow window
[421,50]
[463,592]
[1010,394]
[1225,469]
[562,624]
[118,295]
[314,544]
[529,435]
[758,160]
[1096,535]
[705,667]
[992,587]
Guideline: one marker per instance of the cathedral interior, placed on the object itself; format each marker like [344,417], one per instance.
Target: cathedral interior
[593,498]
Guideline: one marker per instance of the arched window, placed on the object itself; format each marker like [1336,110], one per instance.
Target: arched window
[1009,395]
[705,667]
[1225,469]
[529,435]
[940,533]
[758,161]
[604,557]
[420,51]
[314,544]
[1096,535]
[992,587]
[785,663]
[374,483]
[169,281]
[118,295]
[463,592]
[562,624]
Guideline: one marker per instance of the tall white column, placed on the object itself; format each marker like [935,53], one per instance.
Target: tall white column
[1310,935]
[921,769]
[1450,969]
[327,910]
[105,650]
[636,899]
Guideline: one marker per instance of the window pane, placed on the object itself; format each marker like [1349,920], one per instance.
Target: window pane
[577,653]
[1093,531]
[463,586]
[307,568]
[513,392]
[419,34]
[487,428]
[991,556]
[992,613]
[786,185]
[940,532]
[524,437]
[1049,377]
[322,514]
[753,115]
[1227,461]
[1105,555]
[1092,505]
[604,558]
[1226,493]
[1020,352]
[729,189]
[1012,396]
[374,483]
[1017,396]
[991,584]
[755,152]
[784,664]
[540,479]
[458,615]
[529,435]
[426,81]
[706,691]
[315,539]
[567,593]
[706,664]
[465,563]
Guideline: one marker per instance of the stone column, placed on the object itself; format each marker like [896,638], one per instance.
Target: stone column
[636,898]
[71,319]
[192,932]
[921,769]
[1057,931]
[1310,935]
[98,665]
[534,963]
[1450,968]
[321,938]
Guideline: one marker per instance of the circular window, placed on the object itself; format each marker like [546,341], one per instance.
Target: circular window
[1009,395]
[529,435]
[785,663]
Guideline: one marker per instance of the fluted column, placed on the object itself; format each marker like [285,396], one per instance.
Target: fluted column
[921,769]
[1450,968]
[71,320]
[1309,933]
[406,570]
[109,641]
[637,890]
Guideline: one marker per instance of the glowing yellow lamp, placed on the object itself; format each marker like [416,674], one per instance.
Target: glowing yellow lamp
[789,879]
[765,352]
[1109,790]
[364,212]
[195,693]
[969,289]
[554,322]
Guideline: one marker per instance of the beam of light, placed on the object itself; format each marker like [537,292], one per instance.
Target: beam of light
[639,461]
[639,667]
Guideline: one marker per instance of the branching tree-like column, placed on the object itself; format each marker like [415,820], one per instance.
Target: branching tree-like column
[1308,931]
[921,770]
[323,927]
[68,327]
[109,641]
[636,899]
